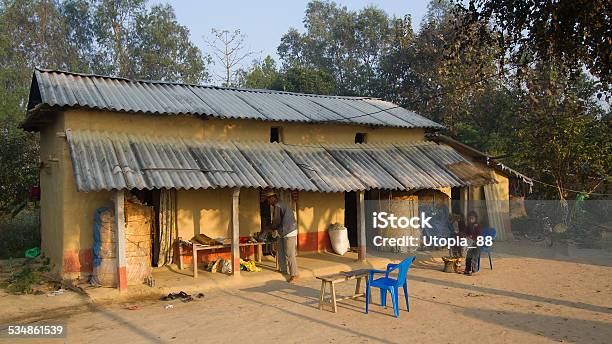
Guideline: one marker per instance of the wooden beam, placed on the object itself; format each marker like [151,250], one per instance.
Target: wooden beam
[361,226]
[235,232]
[120,240]
[464,196]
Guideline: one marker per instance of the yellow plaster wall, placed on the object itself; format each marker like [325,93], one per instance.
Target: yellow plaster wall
[79,208]
[51,197]
[236,130]
[209,212]
[395,135]
[446,191]
[67,215]
[316,211]
[503,185]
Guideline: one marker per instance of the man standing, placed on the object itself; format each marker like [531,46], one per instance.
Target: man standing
[284,222]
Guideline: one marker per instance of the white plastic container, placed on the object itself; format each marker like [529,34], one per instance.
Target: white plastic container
[338,236]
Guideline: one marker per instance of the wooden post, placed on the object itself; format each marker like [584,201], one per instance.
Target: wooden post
[120,239]
[194,258]
[361,226]
[235,232]
[464,195]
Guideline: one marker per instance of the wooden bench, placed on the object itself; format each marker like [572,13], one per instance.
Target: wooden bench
[199,247]
[332,280]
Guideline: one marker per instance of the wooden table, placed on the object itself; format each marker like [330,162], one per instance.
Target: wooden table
[332,280]
[199,247]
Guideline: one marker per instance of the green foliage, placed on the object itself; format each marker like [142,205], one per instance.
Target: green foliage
[307,80]
[506,77]
[576,33]
[294,78]
[450,71]
[134,42]
[561,116]
[18,158]
[120,38]
[263,75]
[163,50]
[347,45]
[24,278]
[19,233]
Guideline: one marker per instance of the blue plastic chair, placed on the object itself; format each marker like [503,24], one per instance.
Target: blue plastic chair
[487,232]
[390,284]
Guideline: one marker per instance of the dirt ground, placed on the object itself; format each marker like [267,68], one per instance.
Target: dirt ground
[533,295]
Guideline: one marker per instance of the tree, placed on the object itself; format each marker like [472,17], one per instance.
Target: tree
[80,36]
[576,33]
[263,74]
[228,48]
[118,38]
[163,50]
[134,42]
[18,159]
[459,86]
[296,78]
[561,116]
[307,80]
[348,45]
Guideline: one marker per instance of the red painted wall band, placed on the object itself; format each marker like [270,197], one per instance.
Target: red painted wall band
[78,260]
[122,272]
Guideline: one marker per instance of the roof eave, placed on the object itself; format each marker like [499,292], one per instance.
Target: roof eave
[484,157]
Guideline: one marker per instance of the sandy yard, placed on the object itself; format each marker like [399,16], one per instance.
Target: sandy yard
[532,298]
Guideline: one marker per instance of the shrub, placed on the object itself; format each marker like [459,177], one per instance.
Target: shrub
[19,233]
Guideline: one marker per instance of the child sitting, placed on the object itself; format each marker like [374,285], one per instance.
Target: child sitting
[473,252]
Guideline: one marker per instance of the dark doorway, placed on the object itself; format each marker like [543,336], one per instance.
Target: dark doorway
[456,206]
[151,198]
[350,216]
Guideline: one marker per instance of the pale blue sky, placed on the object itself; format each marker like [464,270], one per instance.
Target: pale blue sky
[265,21]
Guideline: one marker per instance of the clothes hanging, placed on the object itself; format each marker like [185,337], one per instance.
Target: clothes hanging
[168,231]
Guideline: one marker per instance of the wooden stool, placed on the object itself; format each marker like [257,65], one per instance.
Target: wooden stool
[332,280]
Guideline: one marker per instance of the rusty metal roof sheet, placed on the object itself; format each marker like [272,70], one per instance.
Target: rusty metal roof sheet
[65,89]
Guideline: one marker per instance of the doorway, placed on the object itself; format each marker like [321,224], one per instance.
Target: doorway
[350,217]
[151,198]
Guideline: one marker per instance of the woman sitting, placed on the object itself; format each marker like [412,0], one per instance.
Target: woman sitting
[458,225]
[472,230]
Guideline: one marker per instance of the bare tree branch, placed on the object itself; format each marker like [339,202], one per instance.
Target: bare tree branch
[228,49]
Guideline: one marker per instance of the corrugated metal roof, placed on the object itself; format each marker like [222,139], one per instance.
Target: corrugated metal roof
[471,174]
[276,166]
[327,173]
[107,161]
[65,89]
[357,160]
[404,169]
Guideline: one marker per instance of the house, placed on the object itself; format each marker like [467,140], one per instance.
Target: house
[202,155]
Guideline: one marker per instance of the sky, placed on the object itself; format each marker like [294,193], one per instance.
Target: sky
[265,21]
